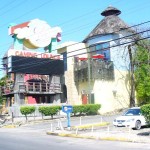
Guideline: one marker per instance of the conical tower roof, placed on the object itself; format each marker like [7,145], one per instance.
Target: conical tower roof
[110,24]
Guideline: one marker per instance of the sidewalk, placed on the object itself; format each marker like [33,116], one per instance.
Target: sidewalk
[103,135]
[104,132]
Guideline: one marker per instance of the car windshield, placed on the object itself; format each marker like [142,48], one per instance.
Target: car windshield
[132,112]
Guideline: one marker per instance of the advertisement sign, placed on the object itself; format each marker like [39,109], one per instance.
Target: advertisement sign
[28,53]
[35,33]
[67,109]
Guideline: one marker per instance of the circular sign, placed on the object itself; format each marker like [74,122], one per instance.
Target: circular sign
[39,36]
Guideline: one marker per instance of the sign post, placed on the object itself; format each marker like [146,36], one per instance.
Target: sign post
[67,109]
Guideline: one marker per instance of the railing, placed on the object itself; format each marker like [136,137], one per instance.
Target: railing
[42,87]
[99,69]
[32,87]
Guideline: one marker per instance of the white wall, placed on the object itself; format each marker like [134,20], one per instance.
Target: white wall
[103,90]
[73,94]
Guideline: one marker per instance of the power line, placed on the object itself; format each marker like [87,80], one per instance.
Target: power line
[62,23]
[94,51]
[48,2]
[113,40]
[121,30]
[28,12]
[12,8]
[7,4]
[134,9]
[99,44]
[116,30]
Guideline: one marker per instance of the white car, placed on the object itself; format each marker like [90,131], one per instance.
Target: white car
[131,118]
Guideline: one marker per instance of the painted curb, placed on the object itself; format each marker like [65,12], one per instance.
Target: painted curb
[9,126]
[108,138]
[87,126]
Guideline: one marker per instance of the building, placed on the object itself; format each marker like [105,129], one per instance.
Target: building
[97,68]
[34,77]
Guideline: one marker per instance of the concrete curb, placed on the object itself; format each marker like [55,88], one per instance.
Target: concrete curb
[108,138]
[88,126]
[9,126]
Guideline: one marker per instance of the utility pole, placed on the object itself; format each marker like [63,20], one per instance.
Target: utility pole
[89,76]
[132,83]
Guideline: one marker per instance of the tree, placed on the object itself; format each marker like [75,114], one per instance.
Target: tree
[26,110]
[142,72]
[2,83]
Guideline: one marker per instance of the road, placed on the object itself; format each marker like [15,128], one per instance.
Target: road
[73,121]
[20,139]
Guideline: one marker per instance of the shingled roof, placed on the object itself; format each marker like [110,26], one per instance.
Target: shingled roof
[110,24]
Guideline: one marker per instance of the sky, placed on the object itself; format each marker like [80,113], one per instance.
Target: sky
[76,18]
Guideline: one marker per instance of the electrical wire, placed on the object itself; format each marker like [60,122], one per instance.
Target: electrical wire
[68,20]
[43,4]
[12,8]
[100,43]
[7,4]
[115,31]
[94,51]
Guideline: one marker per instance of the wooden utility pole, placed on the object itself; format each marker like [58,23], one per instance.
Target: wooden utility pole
[132,83]
[89,77]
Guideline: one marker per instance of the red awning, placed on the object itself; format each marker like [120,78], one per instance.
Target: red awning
[98,56]
[82,58]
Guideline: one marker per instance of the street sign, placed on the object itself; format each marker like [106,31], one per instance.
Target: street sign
[67,109]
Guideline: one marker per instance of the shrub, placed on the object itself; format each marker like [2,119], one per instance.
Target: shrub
[92,109]
[26,110]
[49,110]
[88,109]
[78,109]
[145,110]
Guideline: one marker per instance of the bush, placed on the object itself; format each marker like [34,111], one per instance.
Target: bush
[79,109]
[92,109]
[26,110]
[145,110]
[88,109]
[49,110]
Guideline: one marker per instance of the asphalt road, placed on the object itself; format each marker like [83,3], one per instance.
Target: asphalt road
[20,139]
[73,122]
[47,125]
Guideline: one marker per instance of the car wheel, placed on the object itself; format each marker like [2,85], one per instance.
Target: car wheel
[138,125]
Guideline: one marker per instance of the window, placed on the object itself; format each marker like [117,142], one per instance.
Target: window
[132,112]
[103,48]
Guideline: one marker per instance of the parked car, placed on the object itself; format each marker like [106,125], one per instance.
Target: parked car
[131,118]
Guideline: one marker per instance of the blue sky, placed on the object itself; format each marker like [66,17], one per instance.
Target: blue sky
[76,17]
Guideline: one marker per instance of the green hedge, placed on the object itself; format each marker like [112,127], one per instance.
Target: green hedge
[88,109]
[26,110]
[49,110]
[145,110]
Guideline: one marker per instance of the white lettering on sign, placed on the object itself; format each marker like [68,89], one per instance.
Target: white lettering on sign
[25,53]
